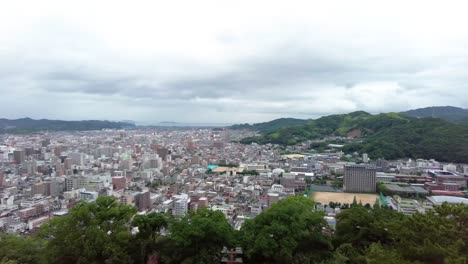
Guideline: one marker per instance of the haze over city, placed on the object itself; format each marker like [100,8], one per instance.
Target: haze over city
[229,62]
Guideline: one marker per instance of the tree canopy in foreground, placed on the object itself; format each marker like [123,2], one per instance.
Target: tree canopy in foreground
[291,231]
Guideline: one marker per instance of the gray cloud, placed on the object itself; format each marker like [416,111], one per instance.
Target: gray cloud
[150,67]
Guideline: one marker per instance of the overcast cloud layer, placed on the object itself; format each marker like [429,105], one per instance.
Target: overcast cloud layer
[229,61]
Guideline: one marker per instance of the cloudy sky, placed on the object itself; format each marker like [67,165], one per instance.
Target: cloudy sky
[229,61]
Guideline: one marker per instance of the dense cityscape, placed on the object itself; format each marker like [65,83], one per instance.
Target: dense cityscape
[211,131]
[174,171]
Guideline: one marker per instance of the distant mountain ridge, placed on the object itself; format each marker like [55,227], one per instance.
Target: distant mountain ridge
[27,125]
[271,125]
[449,113]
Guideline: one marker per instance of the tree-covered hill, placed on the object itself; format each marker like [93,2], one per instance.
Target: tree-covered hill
[26,125]
[421,138]
[389,135]
[360,123]
[271,125]
[449,113]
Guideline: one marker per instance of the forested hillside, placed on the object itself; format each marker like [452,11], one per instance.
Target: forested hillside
[388,136]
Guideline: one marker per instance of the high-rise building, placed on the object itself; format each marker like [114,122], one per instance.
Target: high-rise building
[163,153]
[30,166]
[153,161]
[77,158]
[29,151]
[359,178]
[46,142]
[125,164]
[38,188]
[58,151]
[73,183]
[119,182]
[272,198]
[54,187]
[143,201]
[19,156]
[181,202]
[67,163]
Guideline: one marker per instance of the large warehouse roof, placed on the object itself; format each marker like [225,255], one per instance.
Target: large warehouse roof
[439,199]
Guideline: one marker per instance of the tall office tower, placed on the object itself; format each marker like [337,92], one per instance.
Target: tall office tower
[191,146]
[272,198]
[126,163]
[54,187]
[119,182]
[46,142]
[359,178]
[30,166]
[29,151]
[70,184]
[143,201]
[163,153]
[67,163]
[77,158]
[73,183]
[38,188]
[19,156]
[58,151]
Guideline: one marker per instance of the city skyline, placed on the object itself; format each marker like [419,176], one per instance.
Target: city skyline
[222,62]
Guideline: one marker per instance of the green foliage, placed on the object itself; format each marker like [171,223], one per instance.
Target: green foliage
[7,261]
[14,249]
[421,138]
[360,226]
[289,232]
[338,125]
[248,172]
[389,136]
[148,241]
[436,237]
[377,254]
[91,233]
[199,237]
[155,184]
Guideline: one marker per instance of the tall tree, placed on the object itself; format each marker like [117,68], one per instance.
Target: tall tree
[439,236]
[199,237]
[289,232]
[92,233]
[148,241]
[15,249]
[361,226]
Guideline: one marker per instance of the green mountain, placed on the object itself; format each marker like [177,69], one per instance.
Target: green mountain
[27,125]
[388,136]
[449,113]
[271,125]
